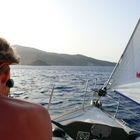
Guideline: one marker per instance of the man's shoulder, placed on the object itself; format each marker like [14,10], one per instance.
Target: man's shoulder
[33,119]
[22,104]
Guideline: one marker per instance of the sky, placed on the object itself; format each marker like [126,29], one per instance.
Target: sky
[95,28]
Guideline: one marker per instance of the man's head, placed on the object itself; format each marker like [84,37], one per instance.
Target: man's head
[7,54]
[7,57]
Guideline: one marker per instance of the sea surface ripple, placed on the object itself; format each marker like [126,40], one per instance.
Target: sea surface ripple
[35,84]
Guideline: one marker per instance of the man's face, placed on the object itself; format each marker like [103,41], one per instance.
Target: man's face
[6,91]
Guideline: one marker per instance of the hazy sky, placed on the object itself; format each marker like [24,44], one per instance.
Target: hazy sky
[95,28]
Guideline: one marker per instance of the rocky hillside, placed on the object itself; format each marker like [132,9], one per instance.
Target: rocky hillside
[32,56]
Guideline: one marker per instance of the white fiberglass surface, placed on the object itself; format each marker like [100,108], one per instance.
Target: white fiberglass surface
[91,115]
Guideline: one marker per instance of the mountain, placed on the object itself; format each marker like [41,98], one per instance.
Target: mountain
[32,56]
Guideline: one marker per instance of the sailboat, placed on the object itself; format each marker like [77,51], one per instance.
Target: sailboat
[92,122]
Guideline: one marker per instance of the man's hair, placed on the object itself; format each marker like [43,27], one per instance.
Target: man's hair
[7,53]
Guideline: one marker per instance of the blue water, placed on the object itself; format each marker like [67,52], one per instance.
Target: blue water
[35,83]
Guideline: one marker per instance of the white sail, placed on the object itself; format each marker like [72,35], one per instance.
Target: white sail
[126,75]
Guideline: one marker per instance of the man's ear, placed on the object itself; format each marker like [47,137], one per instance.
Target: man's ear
[5,76]
[4,72]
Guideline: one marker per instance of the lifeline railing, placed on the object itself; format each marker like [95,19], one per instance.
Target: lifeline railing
[85,93]
[117,102]
[50,99]
[95,98]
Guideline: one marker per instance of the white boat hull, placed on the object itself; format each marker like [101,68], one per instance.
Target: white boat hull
[92,122]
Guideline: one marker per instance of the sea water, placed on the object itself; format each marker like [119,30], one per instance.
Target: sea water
[69,85]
